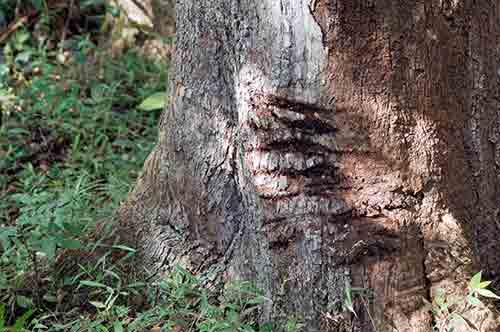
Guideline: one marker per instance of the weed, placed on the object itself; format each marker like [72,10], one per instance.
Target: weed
[19,325]
[70,146]
[450,310]
[365,295]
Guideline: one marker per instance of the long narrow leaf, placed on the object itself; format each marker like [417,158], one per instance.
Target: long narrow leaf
[487,293]
[91,283]
[21,322]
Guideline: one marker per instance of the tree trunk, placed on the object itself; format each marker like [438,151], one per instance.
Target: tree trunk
[314,146]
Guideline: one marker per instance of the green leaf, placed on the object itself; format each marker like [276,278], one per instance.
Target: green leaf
[18,131]
[23,57]
[444,306]
[293,325]
[474,301]
[20,323]
[110,301]
[475,281]
[5,234]
[97,304]
[348,297]
[154,102]
[351,309]
[48,247]
[38,4]
[70,244]
[459,322]
[73,228]
[256,301]
[114,11]
[91,283]
[2,317]
[5,281]
[440,297]
[484,284]
[21,38]
[50,298]
[24,302]
[267,327]
[118,326]
[137,285]
[124,248]
[487,293]
[348,301]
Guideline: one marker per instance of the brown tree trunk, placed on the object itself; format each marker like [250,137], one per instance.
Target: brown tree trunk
[316,145]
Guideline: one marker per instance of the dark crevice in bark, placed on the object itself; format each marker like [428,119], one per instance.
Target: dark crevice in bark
[308,126]
[302,145]
[284,103]
[297,116]
[370,248]
[317,170]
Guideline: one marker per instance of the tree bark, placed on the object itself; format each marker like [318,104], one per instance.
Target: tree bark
[314,146]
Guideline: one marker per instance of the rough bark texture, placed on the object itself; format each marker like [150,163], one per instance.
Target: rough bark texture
[313,145]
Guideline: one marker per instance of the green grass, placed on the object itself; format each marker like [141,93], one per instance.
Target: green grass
[72,142]
[63,122]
